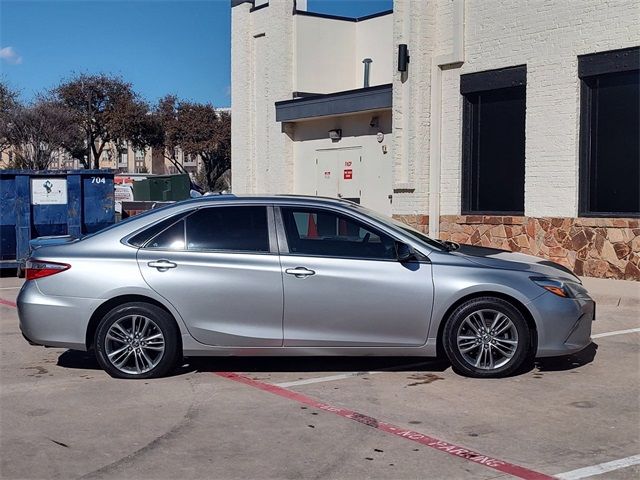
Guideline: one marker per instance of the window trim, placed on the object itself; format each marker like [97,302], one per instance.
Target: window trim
[271,234]
[590,67]
[284,246]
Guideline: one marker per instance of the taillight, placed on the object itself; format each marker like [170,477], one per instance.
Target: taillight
[42,268]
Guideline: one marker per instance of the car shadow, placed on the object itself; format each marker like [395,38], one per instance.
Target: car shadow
[75,359]
[568,362]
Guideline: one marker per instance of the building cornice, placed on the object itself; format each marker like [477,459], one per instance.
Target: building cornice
[338,103]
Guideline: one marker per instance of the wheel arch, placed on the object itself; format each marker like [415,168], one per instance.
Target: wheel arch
[110,304]
[526,313]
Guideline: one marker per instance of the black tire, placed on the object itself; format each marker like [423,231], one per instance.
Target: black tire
[520,334]
[163,321]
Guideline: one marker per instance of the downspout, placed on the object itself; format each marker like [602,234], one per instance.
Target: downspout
[456,57]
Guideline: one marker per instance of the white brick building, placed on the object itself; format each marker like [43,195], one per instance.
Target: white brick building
[515,124]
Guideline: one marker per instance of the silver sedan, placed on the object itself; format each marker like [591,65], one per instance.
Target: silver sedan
[294,276]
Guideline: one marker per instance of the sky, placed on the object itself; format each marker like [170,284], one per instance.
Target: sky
[160,46]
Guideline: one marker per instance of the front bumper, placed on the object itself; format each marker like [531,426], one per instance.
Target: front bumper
[563,324]
[53,321]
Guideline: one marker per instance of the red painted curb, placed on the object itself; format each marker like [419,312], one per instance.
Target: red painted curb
[450,448]
[7,303]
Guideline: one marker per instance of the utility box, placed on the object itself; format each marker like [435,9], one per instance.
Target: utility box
[162,188]
[51,203]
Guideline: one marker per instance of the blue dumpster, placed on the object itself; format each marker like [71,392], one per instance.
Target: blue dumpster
[51,203]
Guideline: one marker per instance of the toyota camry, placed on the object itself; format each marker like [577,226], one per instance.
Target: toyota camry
[295,276]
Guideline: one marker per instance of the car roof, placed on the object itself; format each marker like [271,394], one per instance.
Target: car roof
[274,199]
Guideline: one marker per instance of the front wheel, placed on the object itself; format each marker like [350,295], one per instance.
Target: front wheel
[137,340]
[487,337]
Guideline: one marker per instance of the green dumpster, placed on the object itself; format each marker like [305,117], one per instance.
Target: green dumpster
[162,188]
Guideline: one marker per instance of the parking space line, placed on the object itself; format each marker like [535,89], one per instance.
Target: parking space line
[342,376]
[600,468]
[8,303]
[617,332]
[426,440]
[10,288]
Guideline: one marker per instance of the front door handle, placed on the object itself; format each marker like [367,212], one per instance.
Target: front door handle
[162,265]
[299,272]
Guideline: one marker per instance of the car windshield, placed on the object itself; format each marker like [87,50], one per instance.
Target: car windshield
[418,235]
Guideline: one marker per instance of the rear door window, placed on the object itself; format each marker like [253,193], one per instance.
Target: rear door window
[234,229]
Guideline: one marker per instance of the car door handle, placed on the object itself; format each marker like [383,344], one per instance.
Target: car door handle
[299,272]
[162,265]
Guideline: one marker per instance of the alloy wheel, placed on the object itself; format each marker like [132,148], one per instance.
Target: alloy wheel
[134,344]
[487,339]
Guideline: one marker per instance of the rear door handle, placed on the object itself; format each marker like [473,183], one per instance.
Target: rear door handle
[162,265]
[299,272]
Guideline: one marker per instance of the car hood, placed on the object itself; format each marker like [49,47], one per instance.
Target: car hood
[504,259]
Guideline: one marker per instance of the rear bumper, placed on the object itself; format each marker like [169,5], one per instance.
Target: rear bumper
[564,324]
[53,321]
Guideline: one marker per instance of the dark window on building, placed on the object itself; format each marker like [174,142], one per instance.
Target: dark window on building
[327,234]
[610,133]
[494,141]
[237,229]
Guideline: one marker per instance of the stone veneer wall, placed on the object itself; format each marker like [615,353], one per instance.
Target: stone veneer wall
[593,247]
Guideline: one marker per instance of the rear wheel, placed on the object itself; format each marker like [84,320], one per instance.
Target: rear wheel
[137,340]
[487,337]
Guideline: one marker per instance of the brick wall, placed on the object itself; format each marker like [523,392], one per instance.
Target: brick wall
[593,247]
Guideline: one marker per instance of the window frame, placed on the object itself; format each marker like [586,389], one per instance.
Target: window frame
[590,67]
[283,243]
[183,216]
[476,83]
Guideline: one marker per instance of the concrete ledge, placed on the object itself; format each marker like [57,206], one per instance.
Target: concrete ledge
[620,293]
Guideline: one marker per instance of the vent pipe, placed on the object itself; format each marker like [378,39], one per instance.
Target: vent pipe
[367,65]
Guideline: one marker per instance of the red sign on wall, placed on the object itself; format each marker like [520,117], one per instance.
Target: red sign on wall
[348,173]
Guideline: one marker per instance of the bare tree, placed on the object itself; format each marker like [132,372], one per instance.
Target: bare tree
[206,132]
[164,132]
[38,132]
[107,110]
[8,105]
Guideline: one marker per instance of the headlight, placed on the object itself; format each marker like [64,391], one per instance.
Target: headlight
[557,287]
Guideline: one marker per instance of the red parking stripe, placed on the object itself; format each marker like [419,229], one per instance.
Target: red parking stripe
[421,438]
[7,303]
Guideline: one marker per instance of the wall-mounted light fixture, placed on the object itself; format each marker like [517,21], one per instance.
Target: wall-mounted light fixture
[335,135]
[403,57]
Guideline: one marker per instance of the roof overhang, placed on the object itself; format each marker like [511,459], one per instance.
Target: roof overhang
[338,103]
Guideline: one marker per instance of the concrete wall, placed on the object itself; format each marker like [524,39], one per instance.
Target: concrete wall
[323,45]
[374,40]
[329,53]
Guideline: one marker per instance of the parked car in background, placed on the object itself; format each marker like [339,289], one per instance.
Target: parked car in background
[294,276]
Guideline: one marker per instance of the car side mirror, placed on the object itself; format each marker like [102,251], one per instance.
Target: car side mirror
[405,252]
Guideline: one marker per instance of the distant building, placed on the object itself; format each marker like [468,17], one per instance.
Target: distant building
[508,124]
[123,159]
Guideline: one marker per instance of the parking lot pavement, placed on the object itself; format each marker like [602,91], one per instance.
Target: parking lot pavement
[62,417]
